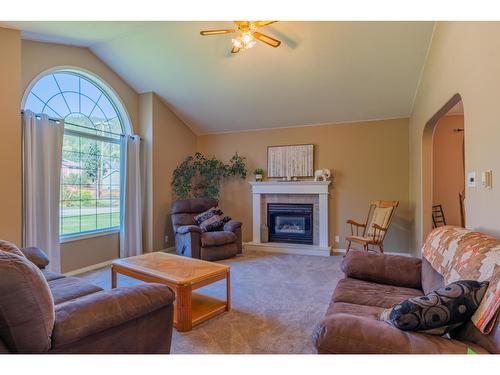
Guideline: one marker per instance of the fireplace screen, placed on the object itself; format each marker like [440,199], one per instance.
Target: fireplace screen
[291,223]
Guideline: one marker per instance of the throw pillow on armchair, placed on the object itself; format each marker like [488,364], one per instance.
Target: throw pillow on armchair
[211,220]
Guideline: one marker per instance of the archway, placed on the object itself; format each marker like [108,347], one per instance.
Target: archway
[428,163]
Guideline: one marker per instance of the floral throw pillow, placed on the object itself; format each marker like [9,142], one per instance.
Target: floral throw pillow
[211,220]
[439,311]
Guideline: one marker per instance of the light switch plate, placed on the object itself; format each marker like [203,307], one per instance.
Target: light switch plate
[486,179]
[471,179]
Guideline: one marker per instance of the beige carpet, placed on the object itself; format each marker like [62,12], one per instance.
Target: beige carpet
[276,301]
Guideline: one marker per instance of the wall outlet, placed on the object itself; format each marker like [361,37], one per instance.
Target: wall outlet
[471,179]
[166,239]
[337,239]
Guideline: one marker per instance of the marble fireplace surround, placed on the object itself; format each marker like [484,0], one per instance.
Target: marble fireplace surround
[313,192]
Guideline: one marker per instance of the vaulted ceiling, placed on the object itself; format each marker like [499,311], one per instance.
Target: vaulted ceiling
[324,72]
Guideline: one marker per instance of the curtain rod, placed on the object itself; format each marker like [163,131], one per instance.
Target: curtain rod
[80,126]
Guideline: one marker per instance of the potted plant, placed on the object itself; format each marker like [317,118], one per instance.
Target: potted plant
[199,176]
[259,174]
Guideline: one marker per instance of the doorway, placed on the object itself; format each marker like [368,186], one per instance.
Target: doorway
[443,162]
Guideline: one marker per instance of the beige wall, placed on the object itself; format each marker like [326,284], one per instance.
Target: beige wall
[448,167]
[369,160]
[10,139]
[464,58]
[39,57]
[167,142]
[83,253]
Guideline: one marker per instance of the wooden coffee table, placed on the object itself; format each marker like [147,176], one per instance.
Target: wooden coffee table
[183,275]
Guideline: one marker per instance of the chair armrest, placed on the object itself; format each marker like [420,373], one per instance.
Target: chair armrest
[93,313]
[344,333]
[36,256]
[386,269]
[188,229]
[352,222]
[232,225]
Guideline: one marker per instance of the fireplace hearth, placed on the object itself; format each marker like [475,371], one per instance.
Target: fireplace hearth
[290,223]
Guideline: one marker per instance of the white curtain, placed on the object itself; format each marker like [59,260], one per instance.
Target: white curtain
[42,152]
[131,203]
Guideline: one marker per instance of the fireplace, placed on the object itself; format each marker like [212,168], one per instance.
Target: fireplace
[291,223]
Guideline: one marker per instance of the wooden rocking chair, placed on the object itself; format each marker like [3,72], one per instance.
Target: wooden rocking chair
[376,226]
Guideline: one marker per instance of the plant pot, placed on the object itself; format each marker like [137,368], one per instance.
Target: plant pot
[258,177]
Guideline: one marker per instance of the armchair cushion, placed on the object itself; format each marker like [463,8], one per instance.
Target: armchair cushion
[387,269]
[217,238]
[232,225]
[97,312]
[188,229]
[36,255]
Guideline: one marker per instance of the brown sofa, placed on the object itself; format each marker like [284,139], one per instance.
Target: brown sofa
[46,312]
[374,282]
[192,242]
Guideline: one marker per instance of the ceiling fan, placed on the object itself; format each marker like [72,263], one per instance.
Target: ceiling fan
[248,35]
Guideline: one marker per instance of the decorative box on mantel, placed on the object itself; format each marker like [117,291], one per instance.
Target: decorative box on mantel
[299,194]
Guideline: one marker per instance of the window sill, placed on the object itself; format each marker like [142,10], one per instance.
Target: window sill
[84,236]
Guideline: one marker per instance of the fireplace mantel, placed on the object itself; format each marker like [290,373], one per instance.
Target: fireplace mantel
[290,187]
[318,188]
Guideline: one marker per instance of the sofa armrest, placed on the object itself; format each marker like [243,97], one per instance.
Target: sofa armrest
[85,316]
[36,256]
[232,225]
[386,269]
[344,333]
[188,229]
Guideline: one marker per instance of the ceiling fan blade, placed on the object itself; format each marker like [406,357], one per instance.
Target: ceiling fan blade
[217,32]
[242,24]
[266,39]
[263,23]
[235,50]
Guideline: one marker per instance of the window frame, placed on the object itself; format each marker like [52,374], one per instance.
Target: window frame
[123,119]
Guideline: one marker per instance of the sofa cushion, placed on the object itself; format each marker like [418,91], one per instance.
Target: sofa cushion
[372,294]
[217,238]
[26,306]
[386,269]
[69,288]
[211,220]
[439,311]
[49,275]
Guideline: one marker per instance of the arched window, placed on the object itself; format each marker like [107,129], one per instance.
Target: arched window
[91,165]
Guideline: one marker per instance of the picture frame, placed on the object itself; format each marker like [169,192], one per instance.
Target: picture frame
[290,161]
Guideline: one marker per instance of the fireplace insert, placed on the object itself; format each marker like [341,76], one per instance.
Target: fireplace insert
[291,223]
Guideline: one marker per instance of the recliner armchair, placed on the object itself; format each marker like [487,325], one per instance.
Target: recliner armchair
[192,242]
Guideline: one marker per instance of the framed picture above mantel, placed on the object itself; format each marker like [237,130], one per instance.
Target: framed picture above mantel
[290,161]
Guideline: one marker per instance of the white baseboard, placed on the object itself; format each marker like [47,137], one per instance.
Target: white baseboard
[342,251]
[285,248]
[89,268]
